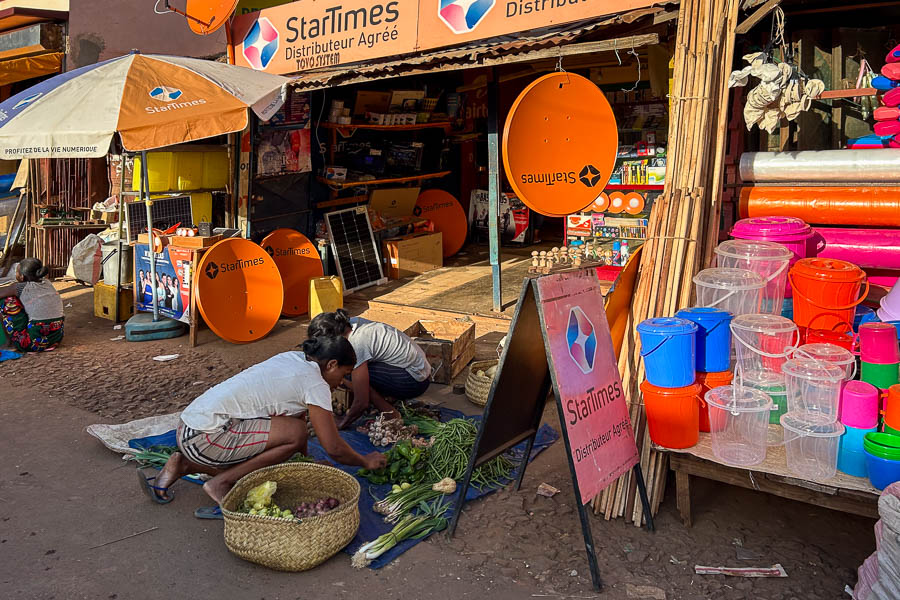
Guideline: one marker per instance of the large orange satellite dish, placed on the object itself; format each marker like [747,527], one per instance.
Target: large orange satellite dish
[238,290]
[559,144]
[448,217]
[298,261]
[207,16]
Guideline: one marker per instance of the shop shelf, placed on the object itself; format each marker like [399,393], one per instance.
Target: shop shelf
[432,125]
[634,187]
[349,184]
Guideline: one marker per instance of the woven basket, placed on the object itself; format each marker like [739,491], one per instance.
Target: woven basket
[478,388]
[293,545]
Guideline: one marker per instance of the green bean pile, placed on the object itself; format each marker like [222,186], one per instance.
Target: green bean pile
[449,456]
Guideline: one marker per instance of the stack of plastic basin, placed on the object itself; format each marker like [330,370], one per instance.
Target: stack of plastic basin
[879,354]
[737,291]
[882,458]
[739,418]
[826,293]
[769,259]
[668,347]
[792,233]
[891,410]
[859,415]
[813,389]
[832,354]
[713,351]
[811,447]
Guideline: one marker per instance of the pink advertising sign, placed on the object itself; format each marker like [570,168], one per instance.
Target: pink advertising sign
[586,378]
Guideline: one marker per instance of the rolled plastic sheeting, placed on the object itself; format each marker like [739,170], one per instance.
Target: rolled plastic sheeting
[822,166]
[868,206]
[867,248]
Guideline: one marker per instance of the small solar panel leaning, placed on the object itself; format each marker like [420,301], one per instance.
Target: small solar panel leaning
[353,244]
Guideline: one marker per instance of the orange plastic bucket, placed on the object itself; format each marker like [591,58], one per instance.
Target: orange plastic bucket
[707,382]
[826,292]
[673,414]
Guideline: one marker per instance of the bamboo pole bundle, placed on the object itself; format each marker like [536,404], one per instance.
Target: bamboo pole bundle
[683,222]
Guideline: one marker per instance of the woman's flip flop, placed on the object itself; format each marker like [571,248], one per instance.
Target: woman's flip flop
[151,489]
[209,512]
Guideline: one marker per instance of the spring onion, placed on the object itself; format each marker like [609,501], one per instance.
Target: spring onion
[430,519]
[401,501]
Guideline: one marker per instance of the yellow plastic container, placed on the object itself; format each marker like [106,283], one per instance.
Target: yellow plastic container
[215,170]
[326,294]
[201,207]
[189,171]
[160,171]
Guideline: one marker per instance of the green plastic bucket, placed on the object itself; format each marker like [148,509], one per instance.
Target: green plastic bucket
[881,376]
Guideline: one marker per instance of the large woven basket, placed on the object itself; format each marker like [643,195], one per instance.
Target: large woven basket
[478,387]
[293,545]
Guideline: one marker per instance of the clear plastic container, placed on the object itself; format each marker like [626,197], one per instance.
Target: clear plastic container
[811,446]
[769,259]
[831,354]
[739,419]
[738,291]
[813,389]
[762,344]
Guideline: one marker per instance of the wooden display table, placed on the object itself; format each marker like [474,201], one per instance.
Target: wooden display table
[843,492]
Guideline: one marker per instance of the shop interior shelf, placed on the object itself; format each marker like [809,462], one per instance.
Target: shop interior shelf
[635,187]
[349,184]
[431,125]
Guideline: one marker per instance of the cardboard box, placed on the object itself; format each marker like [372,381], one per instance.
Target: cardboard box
[374,102]
[105,302]
[412,254]
[449,345]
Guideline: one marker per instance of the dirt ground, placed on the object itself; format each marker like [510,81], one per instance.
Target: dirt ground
[64,497]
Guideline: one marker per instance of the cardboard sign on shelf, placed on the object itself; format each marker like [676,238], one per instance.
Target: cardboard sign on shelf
[298,261]
[239,290]
[559,144]
[448,217]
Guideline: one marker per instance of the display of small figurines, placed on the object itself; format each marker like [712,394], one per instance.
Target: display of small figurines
[534,263]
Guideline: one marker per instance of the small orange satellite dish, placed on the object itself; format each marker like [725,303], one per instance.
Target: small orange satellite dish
[601,204]
[207,16]
[634,203]
[559,144]
[238,290]
[448,217]
[298,261]
[616,202]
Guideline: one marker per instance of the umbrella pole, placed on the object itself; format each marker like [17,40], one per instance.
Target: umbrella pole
[145,190]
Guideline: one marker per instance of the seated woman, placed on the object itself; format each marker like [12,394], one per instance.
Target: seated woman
[257,418]
[388,363]
[31,311]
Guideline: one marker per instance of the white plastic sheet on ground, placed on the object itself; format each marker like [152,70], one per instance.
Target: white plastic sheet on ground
[879,575]
[116,437]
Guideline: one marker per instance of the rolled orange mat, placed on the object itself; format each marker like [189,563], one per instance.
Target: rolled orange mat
[878,206]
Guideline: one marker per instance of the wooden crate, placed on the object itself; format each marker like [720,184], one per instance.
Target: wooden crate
[449,345]
[105,302]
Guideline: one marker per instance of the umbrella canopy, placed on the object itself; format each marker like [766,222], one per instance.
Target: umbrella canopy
[151,101]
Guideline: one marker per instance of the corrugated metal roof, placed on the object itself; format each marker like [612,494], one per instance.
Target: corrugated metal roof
[471,55]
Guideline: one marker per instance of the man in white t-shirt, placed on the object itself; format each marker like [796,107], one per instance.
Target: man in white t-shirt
[257,418]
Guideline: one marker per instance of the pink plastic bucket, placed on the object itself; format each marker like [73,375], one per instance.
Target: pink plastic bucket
[859,405]
[790,232]
[878,344]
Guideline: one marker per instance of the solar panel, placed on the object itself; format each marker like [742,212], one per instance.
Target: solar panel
[353,244]
[166,213]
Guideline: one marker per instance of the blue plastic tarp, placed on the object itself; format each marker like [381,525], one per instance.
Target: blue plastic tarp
[371,524]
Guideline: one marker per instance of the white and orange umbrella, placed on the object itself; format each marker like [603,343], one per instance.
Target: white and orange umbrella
[150,101]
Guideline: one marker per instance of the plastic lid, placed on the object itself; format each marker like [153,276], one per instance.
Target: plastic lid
[859,390]
[764,323]
[801,424]
[704,313]
[812,369]
[753,250]
[770,227]
[738,399]
[829,353]
[667,326]
[827,269]
[729,279]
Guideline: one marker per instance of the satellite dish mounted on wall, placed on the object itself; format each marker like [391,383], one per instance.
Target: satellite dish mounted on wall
[203,16]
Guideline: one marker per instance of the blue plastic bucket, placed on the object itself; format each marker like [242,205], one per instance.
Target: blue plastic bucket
[787,309]
[882,472]
[713,337]
[852,455]
[864,314]
[669,348]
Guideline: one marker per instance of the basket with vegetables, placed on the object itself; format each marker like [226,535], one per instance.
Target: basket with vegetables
[292,516]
